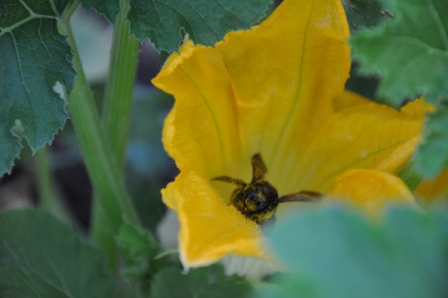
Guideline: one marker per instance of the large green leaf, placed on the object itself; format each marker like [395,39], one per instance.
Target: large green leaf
[33,58]
[410,52]
[364,13]
[41,257]
[333,252]
[201,283]
[108,8]
[165,22]
[206,22]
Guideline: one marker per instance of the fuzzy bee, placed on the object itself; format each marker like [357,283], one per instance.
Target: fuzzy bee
[259,199]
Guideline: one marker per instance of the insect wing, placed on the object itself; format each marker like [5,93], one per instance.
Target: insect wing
[302,196]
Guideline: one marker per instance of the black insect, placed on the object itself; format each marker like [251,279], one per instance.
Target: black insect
[258,200]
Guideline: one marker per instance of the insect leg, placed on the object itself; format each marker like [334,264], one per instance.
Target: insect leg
[302,196]
[238,182]
[258,168]
[240,185]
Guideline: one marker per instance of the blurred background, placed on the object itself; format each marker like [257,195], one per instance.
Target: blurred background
[148,168]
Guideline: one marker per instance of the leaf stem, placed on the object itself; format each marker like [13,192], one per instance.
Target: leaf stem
[47,199]
[166,253]
[120,86]
[104,173]
[116,116]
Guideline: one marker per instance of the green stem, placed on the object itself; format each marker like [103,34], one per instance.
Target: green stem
[104,173]
[116,117]
[47,199]
[166,253]
[118,98]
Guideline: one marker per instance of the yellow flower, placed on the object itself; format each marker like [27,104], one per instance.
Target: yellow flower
[278,90]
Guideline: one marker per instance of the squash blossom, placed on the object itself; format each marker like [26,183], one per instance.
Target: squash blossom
[278,90]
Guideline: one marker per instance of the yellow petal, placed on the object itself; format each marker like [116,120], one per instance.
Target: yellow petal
[259,81]
[362,136]
[415,113]
[370,190]
[349,99]
[432,190]
[285,74]
[210,228]
[201,131]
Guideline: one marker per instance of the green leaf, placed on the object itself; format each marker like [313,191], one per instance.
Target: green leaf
[410,52]
[41,257]
[364,13]
[333,252]
[432,155]
[206,22]
[33,58]
[139,248]
[108,8]
[200,283]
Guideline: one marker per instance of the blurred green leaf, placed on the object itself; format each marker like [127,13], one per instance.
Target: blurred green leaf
[145,153]
[107,8]
[200,283]
[165,22]
[333,252]
[410,52]
[411,174]
[139,248]
[432,155]
[33,58]
[41,257]
[364,13]
[149,168]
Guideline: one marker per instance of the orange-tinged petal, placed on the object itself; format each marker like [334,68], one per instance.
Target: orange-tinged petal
[362,136]
[370,190]
[210,228]
[286,73]
[432,190]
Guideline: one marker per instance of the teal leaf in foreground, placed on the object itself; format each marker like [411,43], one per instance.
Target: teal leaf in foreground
[334,252]
[165,21]
[41,257]
[34,57]
[409,52]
